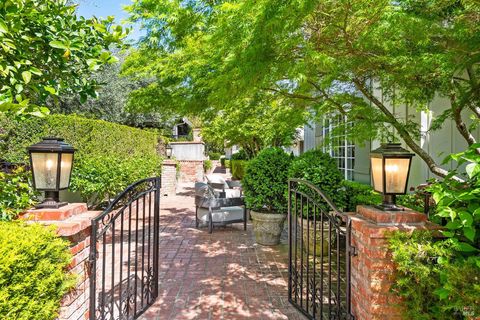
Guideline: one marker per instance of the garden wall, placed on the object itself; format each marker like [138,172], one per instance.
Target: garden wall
[372,268]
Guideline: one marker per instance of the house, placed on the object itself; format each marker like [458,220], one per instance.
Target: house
[354,159]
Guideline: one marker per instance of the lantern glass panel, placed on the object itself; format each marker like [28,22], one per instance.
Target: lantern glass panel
[377,174]
[45,167]
[396,174]
[65,169]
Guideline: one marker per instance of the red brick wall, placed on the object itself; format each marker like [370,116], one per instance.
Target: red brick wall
[372,268]
[73,224]
[169,177]
[191,170]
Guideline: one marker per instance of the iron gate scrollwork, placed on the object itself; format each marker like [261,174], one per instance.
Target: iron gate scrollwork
[124,254]
[319,254]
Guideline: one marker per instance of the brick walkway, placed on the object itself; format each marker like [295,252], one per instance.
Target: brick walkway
[223,275]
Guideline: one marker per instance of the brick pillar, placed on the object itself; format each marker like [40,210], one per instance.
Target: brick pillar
[169,177]
[191,170]
[73,223]
[372,269]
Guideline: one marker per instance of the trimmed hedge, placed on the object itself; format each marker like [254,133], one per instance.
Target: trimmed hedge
[88,136]
[108,156]
[265,182]
[238,168]
[33,278]
[359,194]
[321,170]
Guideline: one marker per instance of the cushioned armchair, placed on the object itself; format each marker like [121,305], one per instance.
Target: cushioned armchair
[230,189]
[213,208]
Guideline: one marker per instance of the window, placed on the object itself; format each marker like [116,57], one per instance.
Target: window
[338,146]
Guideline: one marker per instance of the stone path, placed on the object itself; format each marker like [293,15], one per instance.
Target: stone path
[223,275]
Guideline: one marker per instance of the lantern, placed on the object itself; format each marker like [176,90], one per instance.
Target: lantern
[51,161]
[168,150]
[390,170]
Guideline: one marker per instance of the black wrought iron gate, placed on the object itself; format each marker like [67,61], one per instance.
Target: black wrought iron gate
[319,254]
[124,254]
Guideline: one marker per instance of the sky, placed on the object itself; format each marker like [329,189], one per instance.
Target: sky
[105,8]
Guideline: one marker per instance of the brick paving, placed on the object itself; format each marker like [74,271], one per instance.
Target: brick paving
[223,275]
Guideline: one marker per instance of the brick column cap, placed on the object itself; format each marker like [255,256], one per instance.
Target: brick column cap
[381,217]
[62,213]
[169,162]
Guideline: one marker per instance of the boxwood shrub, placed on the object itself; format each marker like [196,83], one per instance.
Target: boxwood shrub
[33,277]
[359,194]
[265,182]
[108,156]
[321,170]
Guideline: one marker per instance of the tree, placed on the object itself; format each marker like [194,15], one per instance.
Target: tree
[255,125]
[110,103]
[328,56]
[47,51]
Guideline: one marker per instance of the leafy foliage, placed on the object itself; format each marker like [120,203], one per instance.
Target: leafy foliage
[321,170]
[47,51]
[108,156]
[207,165]
[434,282]
[16,193]
[110,102]
[459,202]
[265,182]
[328,57]
[240,155]
[238,168]
[359,194]
[33,278]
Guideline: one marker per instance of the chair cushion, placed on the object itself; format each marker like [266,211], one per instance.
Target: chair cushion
[233,193]
[215,178]
[224,215]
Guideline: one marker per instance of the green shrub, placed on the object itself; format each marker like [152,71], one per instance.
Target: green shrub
[228,164]
[240,155]
[321,170]
[207,165]
[16,193]
[414,201]
[359,194]
[265,181]
[238,168]
[102,177]
[434,282]
[222,161]
[214,155]
[33,278]
[108,156]
[458,203]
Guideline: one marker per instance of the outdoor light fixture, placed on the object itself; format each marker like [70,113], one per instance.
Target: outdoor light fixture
[168,150]
[51,161]
[390,170]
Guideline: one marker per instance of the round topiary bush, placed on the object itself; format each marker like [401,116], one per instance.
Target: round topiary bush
[321,170]
[265,181]
[33,276]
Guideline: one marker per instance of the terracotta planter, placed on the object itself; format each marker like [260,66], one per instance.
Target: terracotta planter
[308,236]
[267,227]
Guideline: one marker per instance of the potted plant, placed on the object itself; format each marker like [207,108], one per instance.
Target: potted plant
[321,170]
[265,184]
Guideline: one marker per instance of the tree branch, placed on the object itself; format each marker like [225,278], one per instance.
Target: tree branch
[432,165]
[461,126]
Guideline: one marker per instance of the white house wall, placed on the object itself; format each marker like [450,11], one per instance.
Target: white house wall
[437,144]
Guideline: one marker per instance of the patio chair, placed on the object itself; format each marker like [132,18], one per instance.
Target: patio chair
[213,208]
[230,189]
